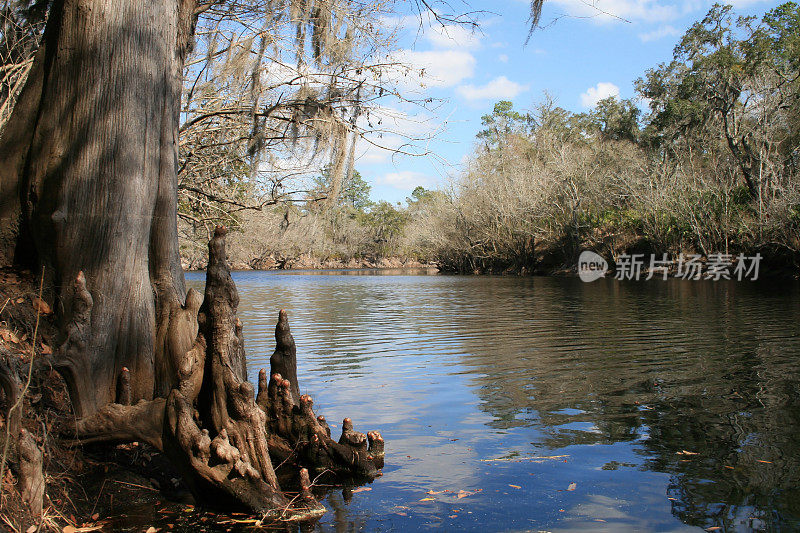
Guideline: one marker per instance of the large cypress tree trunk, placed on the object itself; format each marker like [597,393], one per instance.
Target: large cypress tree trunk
[89,158]
[88,177]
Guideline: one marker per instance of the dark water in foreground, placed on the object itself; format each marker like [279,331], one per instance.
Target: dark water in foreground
[669,405]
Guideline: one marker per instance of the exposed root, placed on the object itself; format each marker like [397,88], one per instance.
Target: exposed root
[31,478]
[284,360]
[124,387]
[219,434]
[71,360]
[11,386]
[297,433]
[124,423]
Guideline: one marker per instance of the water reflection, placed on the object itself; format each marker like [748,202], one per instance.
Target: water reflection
[675,404]
[702,379]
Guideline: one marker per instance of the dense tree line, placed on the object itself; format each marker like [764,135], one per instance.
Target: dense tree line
[350,230]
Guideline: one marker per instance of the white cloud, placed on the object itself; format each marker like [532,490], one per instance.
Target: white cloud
[390,119]
[603,90]
[439,68]
[425,26]
[405,180]
[390,130]
[738,4]
[447,64]
[453,37]
[502,58]
[498,89]
[399,22]
[660,33]
[379,151]
[605,11]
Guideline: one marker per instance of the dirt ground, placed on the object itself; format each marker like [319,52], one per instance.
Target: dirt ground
[106,487]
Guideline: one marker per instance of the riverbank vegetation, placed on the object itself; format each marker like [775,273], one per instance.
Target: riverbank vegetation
[117,119]
[348,231]
[711,167]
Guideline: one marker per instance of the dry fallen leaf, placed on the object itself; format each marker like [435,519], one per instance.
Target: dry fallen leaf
[8,335]
[69,529]
[31,529]
[362,489]
[572,486]
[42,306]
[151,529]
[46,349]
[428,500]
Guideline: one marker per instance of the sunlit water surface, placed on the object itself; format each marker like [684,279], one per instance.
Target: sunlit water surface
[553,404]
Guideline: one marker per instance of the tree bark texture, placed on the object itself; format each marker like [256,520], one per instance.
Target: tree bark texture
[31,477]
[87,171]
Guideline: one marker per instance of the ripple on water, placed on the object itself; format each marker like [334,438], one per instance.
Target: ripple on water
[492,383]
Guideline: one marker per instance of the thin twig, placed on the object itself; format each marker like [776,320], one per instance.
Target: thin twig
[91,513]
[7,521]
[134,485]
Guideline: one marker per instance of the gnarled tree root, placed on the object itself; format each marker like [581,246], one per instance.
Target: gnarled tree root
[221,436]
[31,478]
[297,434]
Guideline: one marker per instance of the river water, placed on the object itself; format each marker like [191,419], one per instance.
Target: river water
[548,403]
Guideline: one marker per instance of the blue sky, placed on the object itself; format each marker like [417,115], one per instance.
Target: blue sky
[580,56]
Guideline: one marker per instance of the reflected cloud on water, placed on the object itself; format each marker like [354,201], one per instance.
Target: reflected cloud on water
[676,403]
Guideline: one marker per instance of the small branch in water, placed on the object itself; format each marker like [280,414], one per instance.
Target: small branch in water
[519,459]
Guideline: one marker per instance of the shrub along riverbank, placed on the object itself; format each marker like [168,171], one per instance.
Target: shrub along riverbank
[353,232]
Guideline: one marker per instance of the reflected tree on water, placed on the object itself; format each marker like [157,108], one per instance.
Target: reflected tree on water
[703,389]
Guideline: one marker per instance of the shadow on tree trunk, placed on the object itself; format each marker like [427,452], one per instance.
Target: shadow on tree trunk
[220,434]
